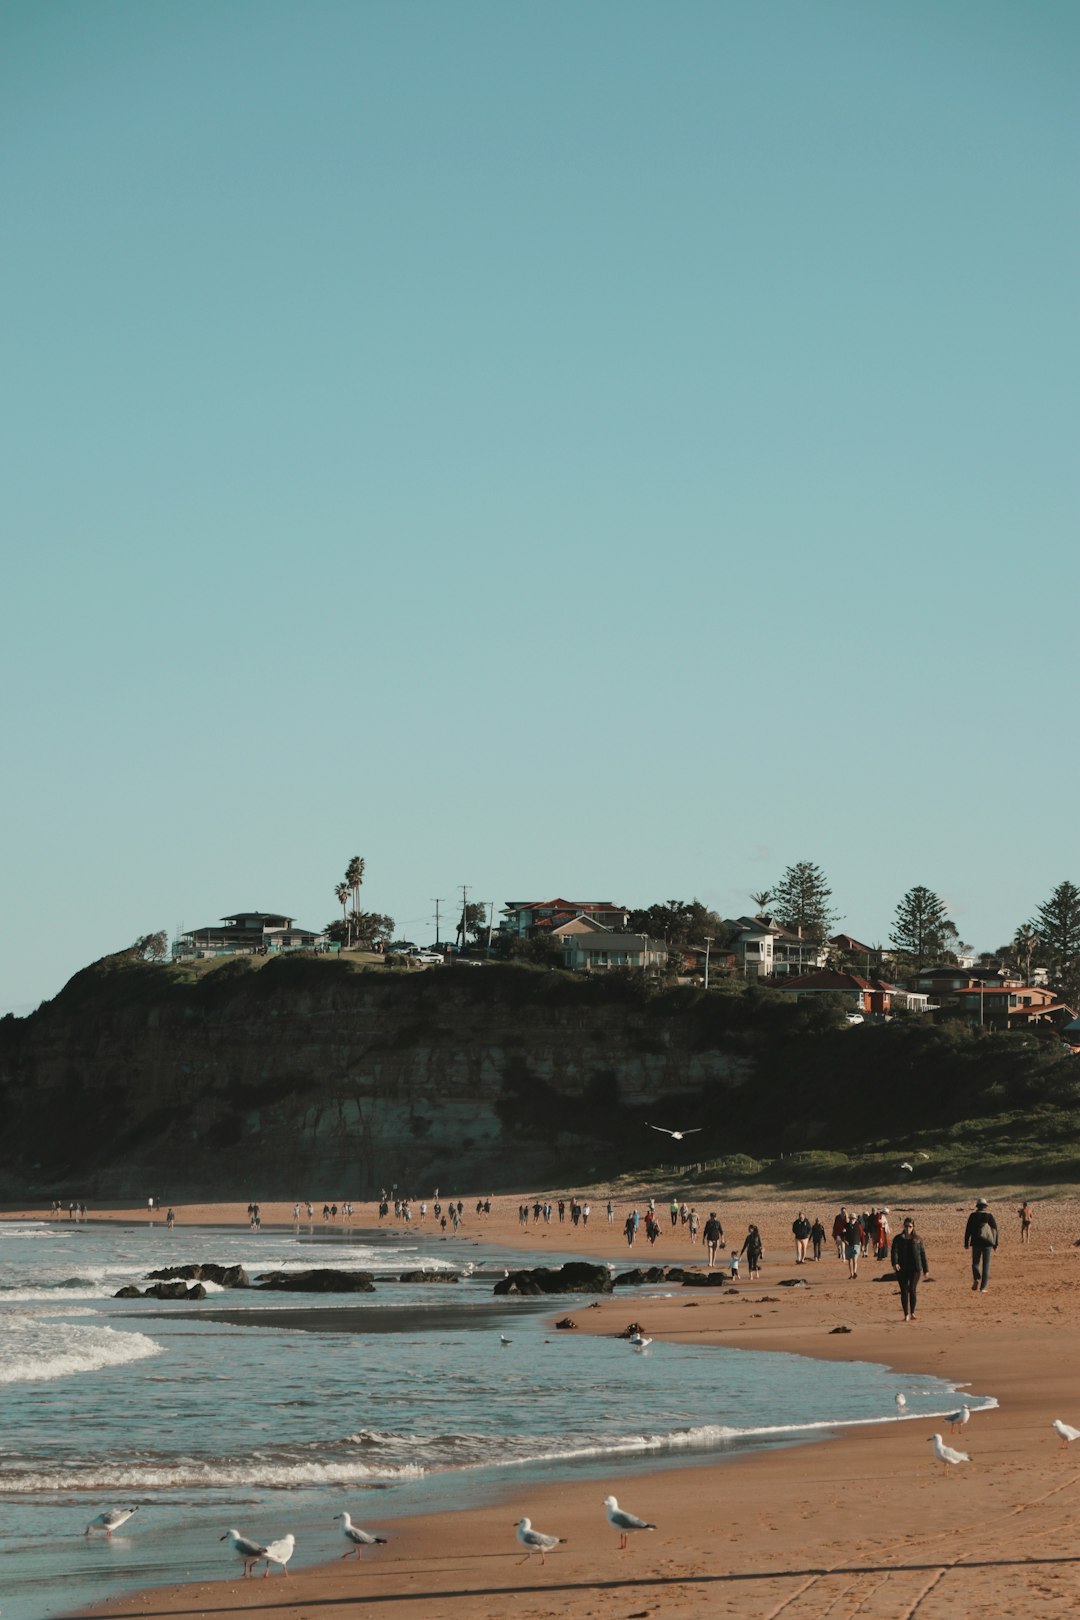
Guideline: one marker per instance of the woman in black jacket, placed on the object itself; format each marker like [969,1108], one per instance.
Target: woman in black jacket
[908,1257]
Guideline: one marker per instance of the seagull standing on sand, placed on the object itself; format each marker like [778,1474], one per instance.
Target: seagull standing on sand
[623,1522]
[110,1520]
[676,1136]
[958,1419]
[279,1552]
[946,1454]
[1066,1431]
[249,1551]
[535,1540]
[358,1539]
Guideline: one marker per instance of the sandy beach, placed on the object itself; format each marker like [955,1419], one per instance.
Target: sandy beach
[863,1524]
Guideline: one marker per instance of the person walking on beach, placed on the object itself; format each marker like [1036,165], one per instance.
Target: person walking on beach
[713,1235]
[800,1231]
[753,1251]
[1027,1215]
[852,1246]
[981,1237]
[908,1256]
[839,1226]
[817,1236]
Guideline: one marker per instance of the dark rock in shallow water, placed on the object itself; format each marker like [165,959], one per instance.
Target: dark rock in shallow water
[224,1276]
[319,1281]
[576,1277]
[566,1322]
[130,1292]
[429,1277]
[167,1290]
[196,1291]
[701,1279]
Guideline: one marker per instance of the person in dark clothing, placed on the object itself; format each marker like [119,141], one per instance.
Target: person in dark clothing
[908,1257]
[800,1231]
[817,1237]
[981,1237]
[713,1234]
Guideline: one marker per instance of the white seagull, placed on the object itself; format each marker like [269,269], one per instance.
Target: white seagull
[945,1453]
[279,1552]
[1066,1431]
[676,1136]
[535,1540]
[623,1522]
[110,1520]
[958,1419]
[901,1402]
[504,1341]
[906,1166]
[249,1551]
[639,1341]
[358,1539]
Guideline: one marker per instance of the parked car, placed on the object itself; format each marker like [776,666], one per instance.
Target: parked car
[428,958]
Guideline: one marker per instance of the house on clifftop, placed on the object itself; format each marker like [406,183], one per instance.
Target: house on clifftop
[251,932]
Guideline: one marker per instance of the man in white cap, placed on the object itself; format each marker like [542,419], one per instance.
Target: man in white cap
[981,1237]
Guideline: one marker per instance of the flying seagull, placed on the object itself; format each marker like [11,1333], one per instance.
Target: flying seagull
[945,1453]
[1066,1431]
[958,1419]
[111,1520]
[249,1551]
[906,1166]
[623,1522]
[279,1552]
[676,1136]
[535,1540]
[358,1539]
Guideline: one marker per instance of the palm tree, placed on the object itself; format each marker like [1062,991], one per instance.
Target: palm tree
[1025,943]
[354,876]
[342,892]
[761,900]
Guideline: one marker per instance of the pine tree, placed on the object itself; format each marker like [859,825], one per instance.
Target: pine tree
[921,926]
[801,901]
[1057,922]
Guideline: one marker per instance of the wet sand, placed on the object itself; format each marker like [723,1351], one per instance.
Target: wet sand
[866,1523]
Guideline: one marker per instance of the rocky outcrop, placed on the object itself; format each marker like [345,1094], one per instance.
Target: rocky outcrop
[204,1271]
[576,1277]
[429,1277]
[321,1280]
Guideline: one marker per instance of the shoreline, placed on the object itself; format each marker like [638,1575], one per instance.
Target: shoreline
[865,1511]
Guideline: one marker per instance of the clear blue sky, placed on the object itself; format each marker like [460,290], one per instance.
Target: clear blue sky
[613,450]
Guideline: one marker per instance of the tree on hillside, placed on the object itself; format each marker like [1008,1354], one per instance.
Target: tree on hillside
[341,894]
[354,877]
[151,947]
[475,920]
[361,928]
[761,901]
[1057,923]
[801,901]
[682,923]
[921,929]
[1025,942]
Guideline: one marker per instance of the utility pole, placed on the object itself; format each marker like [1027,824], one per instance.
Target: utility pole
[464,911]
[437,903]
[491,923]
[708,946]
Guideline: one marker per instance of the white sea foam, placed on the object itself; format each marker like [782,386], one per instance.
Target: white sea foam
[194,1474]
[33,1350]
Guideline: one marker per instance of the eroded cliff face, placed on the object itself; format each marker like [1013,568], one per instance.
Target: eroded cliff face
[305,1078]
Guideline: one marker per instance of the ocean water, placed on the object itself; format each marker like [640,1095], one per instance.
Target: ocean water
[273,1412]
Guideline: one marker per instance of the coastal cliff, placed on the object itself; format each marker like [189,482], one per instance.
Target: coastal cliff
[306,1076]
